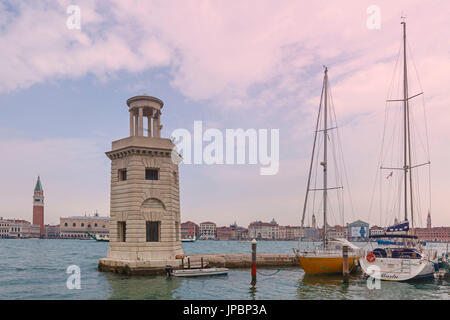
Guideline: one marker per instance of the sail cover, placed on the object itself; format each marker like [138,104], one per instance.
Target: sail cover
[402,226]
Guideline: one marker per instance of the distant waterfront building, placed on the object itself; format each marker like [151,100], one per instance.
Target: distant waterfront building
[436,234]
[358,231]
[313,223]
[289,232]
[77,227]
[429,220]
[18,229]
[337,231]
[189,230]
[4,228]
[310,233]
[264,230]
[208,230]
[376,230]
[52,232]
[282,232]
[225,233]
[233,232]
[38,206]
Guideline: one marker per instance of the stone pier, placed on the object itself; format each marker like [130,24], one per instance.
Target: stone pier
[232,261]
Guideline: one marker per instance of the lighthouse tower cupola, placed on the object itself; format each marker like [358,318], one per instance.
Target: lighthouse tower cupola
[148,107]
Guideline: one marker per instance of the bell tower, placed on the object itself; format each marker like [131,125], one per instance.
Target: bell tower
[38,205]
[145,199]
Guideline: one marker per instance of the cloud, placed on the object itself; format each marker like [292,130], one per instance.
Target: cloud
[216,51]
[260,57]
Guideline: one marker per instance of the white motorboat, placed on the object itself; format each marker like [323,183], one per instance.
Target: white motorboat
[191,239]
[99,237]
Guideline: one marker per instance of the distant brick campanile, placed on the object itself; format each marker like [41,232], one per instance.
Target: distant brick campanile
[38,205]
[145,227]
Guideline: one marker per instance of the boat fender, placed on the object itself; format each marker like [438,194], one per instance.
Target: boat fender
[370,257]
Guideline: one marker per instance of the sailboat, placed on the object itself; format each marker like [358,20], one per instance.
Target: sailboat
[409,260]
[327,258]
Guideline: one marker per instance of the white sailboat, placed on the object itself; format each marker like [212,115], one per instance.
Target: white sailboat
[409,260]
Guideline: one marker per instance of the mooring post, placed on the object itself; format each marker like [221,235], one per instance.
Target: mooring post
[182,262]
[189,262]
[253,261]
[202,262]
[345,263]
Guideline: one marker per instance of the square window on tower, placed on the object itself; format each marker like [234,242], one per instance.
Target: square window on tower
[153,231]
[151,174]
[122,174]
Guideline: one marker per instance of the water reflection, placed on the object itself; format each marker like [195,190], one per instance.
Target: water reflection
[142,287]
[253,290]
[323,287]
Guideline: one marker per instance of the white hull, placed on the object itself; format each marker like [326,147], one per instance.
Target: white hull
[397,269]
[199,272]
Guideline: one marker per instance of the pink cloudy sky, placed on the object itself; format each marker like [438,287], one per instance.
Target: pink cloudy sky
[249,64]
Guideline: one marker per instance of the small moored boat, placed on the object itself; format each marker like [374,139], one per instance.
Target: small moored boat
[99,237]
[198,272]
[191,239]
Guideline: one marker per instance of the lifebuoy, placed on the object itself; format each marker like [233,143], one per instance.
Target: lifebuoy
[370,257]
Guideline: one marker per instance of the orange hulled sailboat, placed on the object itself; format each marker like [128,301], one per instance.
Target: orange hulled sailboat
[326,258]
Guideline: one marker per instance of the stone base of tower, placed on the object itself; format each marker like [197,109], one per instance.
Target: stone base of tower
[130,267]
[142,258]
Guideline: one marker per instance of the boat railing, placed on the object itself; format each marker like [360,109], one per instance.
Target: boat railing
[320,251]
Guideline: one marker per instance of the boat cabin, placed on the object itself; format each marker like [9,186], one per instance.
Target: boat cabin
[399,253]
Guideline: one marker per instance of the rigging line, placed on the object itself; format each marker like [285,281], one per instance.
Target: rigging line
[342,156]
[386,113]
[425,121]
[337,173]
[416,135]
[338,181]
[336,166]
[416,177]
[312,155]
[316,173]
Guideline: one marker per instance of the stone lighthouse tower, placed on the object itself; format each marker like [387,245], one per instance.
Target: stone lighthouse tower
[145,200]
[38,205]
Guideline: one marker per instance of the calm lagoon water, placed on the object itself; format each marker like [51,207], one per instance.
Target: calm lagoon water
[36,269]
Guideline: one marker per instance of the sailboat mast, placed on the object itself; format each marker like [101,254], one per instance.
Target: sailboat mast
[324,163]
[407,135]
[405,121]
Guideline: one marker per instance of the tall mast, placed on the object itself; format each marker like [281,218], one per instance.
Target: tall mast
[407,135]
[405,121]
[324,163]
